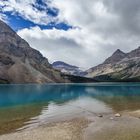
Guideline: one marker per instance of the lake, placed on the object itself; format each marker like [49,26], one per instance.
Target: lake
[28,106]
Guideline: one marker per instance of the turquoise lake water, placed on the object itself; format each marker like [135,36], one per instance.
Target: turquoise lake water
[24,106]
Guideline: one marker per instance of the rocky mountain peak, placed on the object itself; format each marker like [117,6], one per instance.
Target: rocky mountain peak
[119,67]
[118,52]
[63,64]
[116,57]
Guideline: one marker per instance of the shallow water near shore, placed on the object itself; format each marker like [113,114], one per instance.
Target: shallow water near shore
[29,106]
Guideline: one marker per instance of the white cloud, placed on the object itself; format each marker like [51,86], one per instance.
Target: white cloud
[3,17]
[102,27]
[58,44]
[25,9]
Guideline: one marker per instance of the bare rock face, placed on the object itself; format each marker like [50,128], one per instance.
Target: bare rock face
[119,67]
[19,63]
[116,57]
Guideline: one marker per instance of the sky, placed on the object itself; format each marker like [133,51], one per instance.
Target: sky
[80,32]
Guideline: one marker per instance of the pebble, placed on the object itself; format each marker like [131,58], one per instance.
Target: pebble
[111,118]
[100,116]
[117,115]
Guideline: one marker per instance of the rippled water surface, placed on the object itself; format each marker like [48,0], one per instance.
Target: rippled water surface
[25,106]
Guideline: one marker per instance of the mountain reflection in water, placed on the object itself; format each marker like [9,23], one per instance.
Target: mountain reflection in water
[31,105]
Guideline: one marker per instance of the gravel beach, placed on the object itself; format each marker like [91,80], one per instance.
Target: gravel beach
[108,127]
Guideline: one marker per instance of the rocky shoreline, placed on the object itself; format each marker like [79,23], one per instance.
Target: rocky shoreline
[120,127]
[67,130]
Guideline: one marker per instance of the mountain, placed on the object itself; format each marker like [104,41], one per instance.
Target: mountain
[61,65]
[119,67]
[67,68]
[19,63]
[116,57]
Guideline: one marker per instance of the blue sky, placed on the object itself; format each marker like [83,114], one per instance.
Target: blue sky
[18,22]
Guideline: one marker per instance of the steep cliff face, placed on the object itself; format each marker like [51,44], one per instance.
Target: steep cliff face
[119,67]
[19,63]
[116,57]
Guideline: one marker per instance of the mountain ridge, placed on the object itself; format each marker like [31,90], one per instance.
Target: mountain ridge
[57,63]
[119,67]
[116,56]
[21,64]
[67,68]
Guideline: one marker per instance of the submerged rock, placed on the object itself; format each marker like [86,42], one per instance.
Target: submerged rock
[100,115]
[111,118]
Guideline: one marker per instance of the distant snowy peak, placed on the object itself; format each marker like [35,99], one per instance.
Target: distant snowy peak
[67,68]
[63,64]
